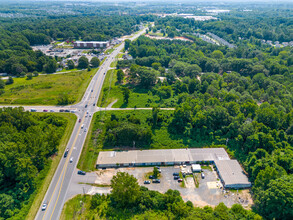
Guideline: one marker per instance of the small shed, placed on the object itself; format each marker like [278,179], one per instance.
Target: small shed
[196,168]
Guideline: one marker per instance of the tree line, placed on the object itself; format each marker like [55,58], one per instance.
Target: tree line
[27,141]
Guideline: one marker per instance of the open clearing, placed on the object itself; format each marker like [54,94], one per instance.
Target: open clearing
[45,89]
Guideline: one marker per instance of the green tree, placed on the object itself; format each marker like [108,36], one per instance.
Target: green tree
[29,76]
[95,62]
[35,74]
[277,201]
[9,80]
[2,84]
[120,76]
[156,66]
[127,43]
[155,172]
[126,94]
[70,64]
[125,190]
[50,66]
[83,62]
[217,54]
[155,113]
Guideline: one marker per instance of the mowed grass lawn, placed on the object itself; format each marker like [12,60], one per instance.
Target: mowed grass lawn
[45,89]
[161,138]
[139,97]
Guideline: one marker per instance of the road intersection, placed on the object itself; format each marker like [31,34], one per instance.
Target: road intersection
[59,189]
[56,193]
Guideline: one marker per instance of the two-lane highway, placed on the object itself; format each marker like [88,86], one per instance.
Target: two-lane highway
[56,193]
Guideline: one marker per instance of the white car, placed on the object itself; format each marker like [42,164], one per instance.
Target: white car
[85,130]
[90,115]
[44,206]
[71,160]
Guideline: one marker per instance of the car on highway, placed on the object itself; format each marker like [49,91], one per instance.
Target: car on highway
[67,110]
[45,110]
[90,115]
[66,152]
[71,160]
[44,206]
[82,126]
[80,172]
[202,175]
[85,130]
[156,181]
[52,110]
[61,110]
[92,90]
[94,104]
[147,182]
[85,106]
[79,120]
[33,110]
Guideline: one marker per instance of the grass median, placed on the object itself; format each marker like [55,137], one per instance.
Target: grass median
[37,197]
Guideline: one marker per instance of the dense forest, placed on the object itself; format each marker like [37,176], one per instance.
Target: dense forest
[128,200]
[241,96]
[266,24]
[18,58]
[27,141]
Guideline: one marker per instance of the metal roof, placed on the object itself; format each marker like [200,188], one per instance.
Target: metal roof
[164,155]
[91,42]
[231,172]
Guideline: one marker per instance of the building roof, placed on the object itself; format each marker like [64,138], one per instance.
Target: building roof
[164,155]
[92,42]
[231,172]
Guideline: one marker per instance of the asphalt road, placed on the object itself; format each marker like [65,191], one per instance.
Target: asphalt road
[59,186]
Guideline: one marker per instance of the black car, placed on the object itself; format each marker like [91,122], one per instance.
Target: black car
[151,177]
[80,172]
[67,110]
[156,181]
[61,110]
[94,104]
[66,152]
[176,177]
[175,174]
[85,106]
[147,182]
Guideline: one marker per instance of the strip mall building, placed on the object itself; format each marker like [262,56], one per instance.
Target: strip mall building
[230,171]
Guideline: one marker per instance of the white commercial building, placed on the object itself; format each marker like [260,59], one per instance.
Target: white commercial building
[229,171]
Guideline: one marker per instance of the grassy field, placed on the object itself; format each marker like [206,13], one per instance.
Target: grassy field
[139,97]
[161,138]
[45,89]
[76,207]
[37,197]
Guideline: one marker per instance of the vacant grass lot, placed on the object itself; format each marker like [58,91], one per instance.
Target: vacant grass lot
[161,138]
[36,198]
[45,89]
[76,207]
[139,97]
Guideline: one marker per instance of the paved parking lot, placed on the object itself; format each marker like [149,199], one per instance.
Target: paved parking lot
[207,193]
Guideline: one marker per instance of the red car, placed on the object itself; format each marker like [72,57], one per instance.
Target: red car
[45,110]
[180,180]
[79,120]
